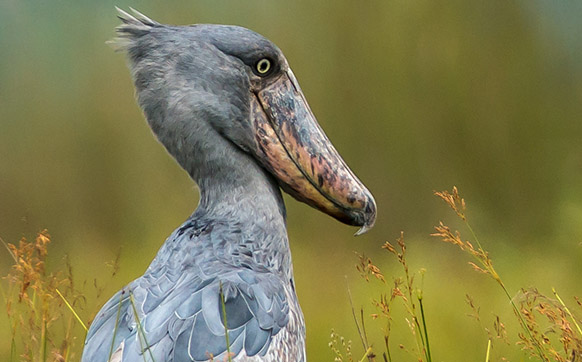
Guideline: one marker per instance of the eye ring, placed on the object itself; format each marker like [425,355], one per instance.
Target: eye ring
[263,67]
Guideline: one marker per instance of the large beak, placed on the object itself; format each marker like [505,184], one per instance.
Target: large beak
[294,148]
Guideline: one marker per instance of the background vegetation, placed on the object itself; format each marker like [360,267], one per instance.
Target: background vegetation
[416,95]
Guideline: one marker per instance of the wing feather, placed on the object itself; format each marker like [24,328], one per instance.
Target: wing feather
[187,322]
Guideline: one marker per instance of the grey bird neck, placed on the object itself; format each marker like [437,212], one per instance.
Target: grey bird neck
[237,197]
[239,194]
[233,187]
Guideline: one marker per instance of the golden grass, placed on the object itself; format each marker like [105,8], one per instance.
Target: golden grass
[535,339]
[39,305]
[44,325]
[401,289]
[549,331]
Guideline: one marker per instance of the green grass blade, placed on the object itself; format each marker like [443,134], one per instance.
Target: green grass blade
[387,355]
[140,329]
[116,326]
[72,310]
[366,355]
[223,306]
[428,355]
[43,340]
[567,310]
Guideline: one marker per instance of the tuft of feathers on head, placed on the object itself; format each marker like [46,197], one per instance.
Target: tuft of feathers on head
[133,26]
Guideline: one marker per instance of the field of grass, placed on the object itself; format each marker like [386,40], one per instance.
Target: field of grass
[47,311]
[547,328]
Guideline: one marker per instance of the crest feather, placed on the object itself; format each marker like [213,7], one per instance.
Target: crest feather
[133,26]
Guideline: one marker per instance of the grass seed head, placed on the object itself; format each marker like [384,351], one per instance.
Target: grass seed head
[33,305]
[367,268]
[454,200]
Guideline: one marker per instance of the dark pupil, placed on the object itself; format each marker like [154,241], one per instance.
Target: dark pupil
[263,65]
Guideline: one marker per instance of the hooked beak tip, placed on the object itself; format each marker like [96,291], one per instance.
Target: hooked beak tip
[369,216]
[364,229]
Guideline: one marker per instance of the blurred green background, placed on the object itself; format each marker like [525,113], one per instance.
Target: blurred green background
[416,95]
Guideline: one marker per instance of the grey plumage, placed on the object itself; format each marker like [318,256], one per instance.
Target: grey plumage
[202,96]
[179,306]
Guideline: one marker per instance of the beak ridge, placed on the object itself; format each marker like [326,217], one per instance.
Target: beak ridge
[294,148]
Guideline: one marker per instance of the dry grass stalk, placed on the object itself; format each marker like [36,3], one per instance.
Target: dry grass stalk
[549,329]
[341,347]
[34,304]
[402,289]
[533,338]
[455,201]
[553,327]
[497,333]
[367,269]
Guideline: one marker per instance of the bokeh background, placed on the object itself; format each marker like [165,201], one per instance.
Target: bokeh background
[416,95]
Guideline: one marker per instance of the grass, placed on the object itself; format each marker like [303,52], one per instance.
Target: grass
[229,355]
[45,324]
[39,305]
[548,330]
[143,342]
[117,315]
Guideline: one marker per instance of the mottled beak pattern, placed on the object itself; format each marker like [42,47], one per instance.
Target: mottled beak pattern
[294,148]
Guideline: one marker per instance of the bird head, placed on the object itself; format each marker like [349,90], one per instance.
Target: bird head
[193,80]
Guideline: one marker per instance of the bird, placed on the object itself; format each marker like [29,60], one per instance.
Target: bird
[225,104]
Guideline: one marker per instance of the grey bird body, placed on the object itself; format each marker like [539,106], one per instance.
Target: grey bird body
[242,131]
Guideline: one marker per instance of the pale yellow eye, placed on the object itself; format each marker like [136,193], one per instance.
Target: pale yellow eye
[263,66]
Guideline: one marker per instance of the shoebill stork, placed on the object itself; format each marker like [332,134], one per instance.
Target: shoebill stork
[225,104]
